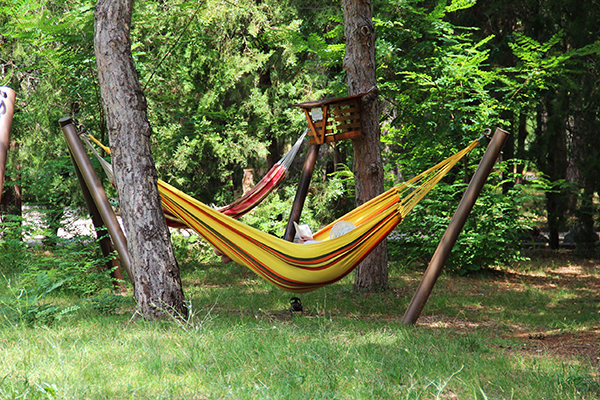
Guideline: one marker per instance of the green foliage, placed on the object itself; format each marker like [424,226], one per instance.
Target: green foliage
[30,305]
[332,198]
[272,214]
[437,78]
[74,267]
[76,264]
[492,234]
[546,65]
[443,93]
[222,96]
[542,66]
[460,5]
[108,303]
[50,48]
[191,251]
[14,256]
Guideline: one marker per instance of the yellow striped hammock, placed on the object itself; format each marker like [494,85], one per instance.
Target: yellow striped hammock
[297,267]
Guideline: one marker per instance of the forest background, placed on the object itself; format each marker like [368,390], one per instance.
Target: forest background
[221,78]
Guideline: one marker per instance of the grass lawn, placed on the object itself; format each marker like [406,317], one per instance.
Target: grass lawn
[528,333]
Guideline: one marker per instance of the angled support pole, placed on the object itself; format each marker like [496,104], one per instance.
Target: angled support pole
[92,184]
[456,225]
[307,171]
[7,109]
[105,243]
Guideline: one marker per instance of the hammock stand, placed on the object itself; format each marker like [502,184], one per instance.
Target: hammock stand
[103,217]
[316,259]
[7,108]
[436,264]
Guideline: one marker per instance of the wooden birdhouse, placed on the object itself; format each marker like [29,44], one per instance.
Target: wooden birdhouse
[332,120]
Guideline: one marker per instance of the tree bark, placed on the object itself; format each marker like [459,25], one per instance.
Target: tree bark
[508,152]
[555,162]
[584,153]
[359,63]
[521,137]
[158,290]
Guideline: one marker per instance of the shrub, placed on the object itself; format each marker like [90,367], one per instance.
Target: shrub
[191,250]
[77,263]
[272,214]
[107,302]
[29,305]
[13,250]
[490,237]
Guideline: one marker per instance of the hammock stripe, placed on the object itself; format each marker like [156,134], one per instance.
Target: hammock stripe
[304,267]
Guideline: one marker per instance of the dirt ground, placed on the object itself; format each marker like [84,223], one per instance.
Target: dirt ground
[568,271]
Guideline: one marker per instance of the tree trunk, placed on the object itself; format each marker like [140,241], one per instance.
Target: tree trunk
[584,151]
[155,271]
[359,63]
[555,163]
[508,153]
[521,137]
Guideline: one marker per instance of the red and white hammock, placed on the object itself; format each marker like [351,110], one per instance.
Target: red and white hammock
[239,207]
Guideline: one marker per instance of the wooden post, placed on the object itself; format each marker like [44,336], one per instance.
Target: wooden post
[456,224]
[92,182]
[307,171]
[104,241]
[7,109]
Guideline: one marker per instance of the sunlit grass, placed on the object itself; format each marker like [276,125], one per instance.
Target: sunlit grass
[242,342]
[254,358]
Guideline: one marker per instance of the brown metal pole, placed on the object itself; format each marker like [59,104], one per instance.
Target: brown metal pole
[307,171]
[7,109]
[97,191]
[456,224]
[104,242]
